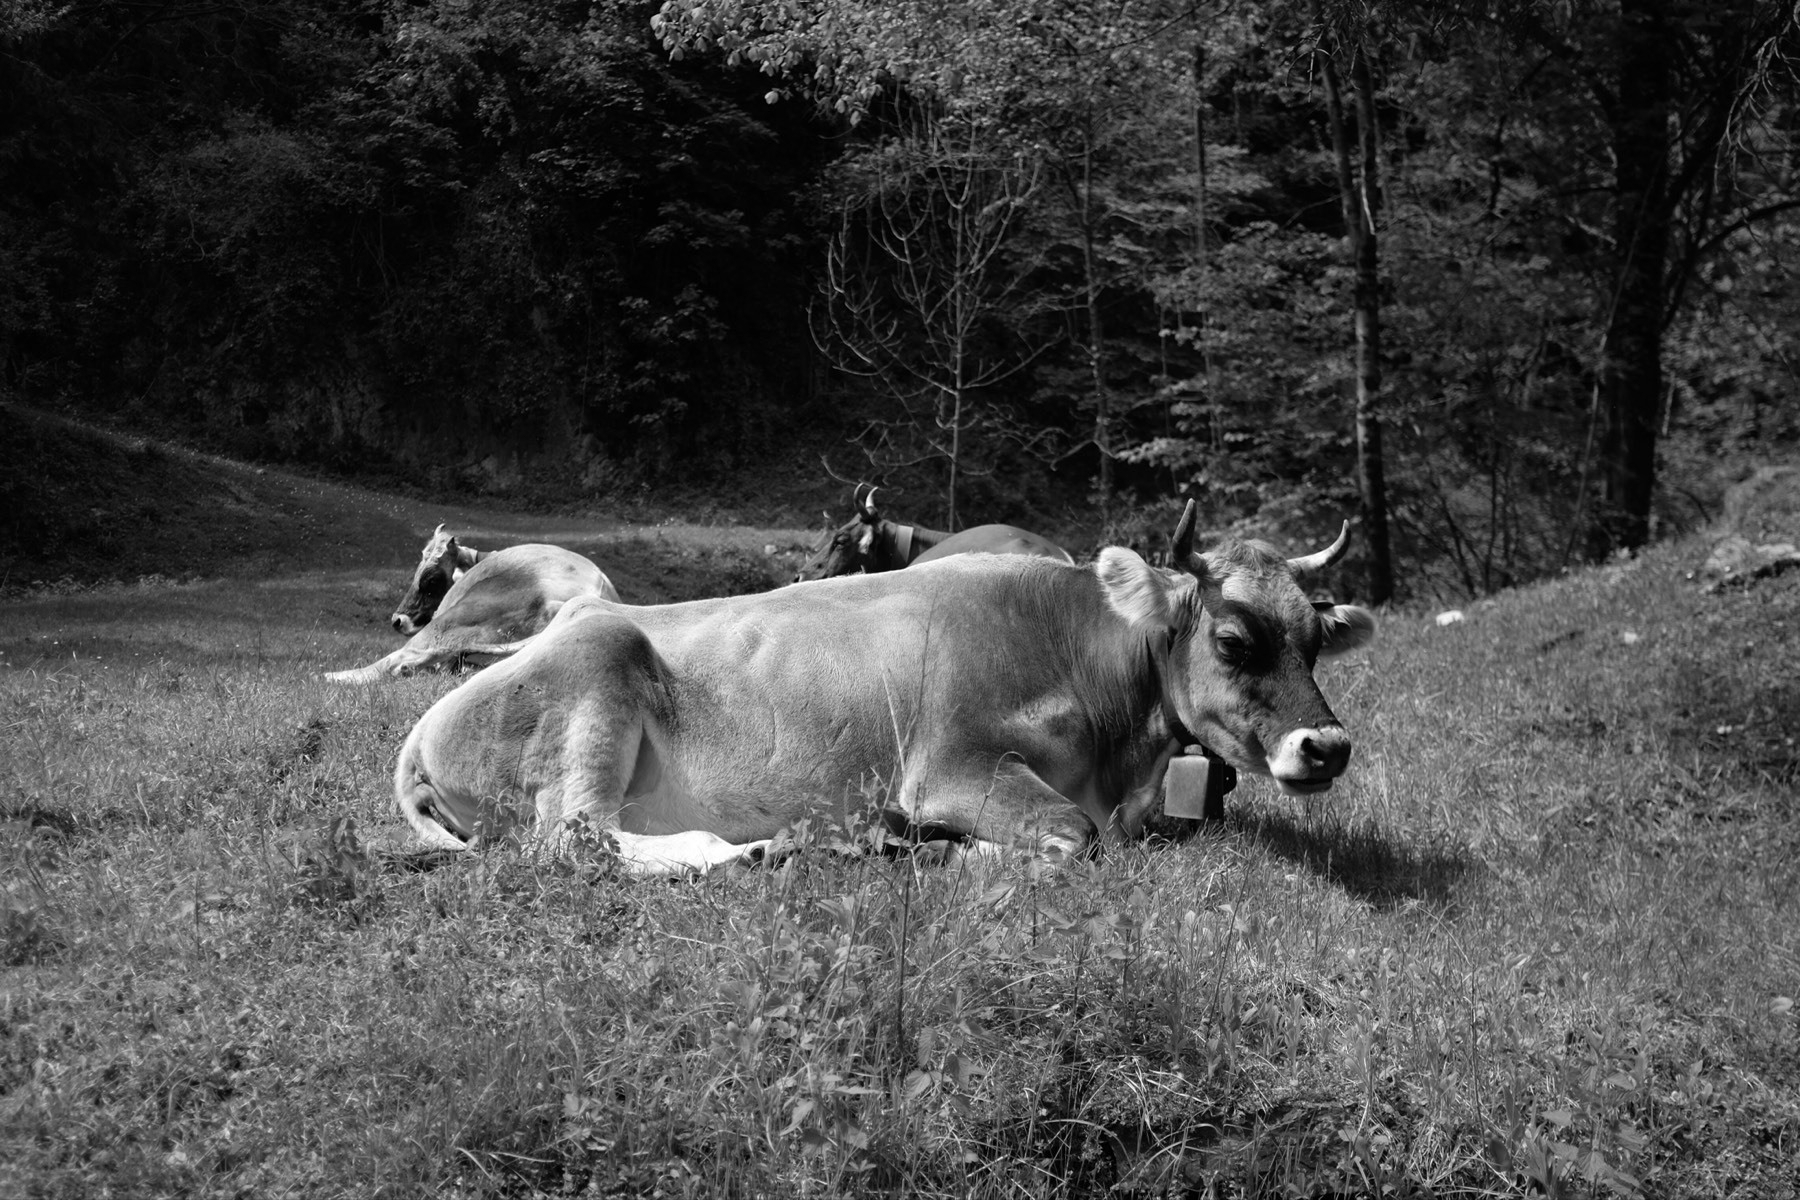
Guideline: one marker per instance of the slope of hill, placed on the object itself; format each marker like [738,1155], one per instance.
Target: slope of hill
[81,505]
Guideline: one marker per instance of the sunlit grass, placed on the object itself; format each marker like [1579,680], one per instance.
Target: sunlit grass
[1542,938]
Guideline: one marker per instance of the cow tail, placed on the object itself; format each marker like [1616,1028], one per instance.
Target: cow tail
[418,799]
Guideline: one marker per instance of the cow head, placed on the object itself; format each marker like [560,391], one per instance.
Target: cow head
[438,564]
[850,548]
[1235,640]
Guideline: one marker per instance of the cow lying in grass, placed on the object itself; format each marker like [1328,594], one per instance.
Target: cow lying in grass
[461,597]
[998,700]
[870,542]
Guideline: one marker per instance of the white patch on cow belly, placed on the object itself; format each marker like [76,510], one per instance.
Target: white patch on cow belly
[678,853]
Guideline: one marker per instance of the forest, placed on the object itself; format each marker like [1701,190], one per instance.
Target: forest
[1512,282]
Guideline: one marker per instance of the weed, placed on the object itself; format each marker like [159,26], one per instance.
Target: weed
[334,873]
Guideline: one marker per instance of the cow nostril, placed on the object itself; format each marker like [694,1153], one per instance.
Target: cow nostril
[1325,750]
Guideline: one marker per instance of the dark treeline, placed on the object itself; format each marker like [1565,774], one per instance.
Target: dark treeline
[1514,281]
[339,230]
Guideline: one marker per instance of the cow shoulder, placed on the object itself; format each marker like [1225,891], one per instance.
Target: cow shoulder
[1345,627]
[1135,590]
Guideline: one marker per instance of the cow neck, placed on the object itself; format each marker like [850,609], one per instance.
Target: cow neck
[899,545]
[1161,646]
[903,544]
[907,542]
[1119,671]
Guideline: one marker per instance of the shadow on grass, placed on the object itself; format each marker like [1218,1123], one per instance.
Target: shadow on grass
[1359,858]
[407,861]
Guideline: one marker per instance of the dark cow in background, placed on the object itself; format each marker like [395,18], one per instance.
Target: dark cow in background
[997,700]
[461,598]
[870,542]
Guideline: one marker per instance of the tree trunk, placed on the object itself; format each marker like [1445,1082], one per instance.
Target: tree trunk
[1097,375]
[1360,193]
[956,406]
[1202,335]
[1631,381]
[1096,333]
[1371,472]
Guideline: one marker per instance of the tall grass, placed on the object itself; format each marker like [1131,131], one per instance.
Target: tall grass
[1542,940]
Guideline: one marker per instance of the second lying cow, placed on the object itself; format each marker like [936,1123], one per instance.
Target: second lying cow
[461,598]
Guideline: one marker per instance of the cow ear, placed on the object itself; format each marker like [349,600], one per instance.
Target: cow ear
[1346,627]
[1134,589]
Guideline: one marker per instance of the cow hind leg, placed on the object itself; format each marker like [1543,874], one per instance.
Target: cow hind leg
[1010,808]
[611,773]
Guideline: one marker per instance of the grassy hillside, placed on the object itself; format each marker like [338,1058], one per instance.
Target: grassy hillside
[1541,939]
[81,506]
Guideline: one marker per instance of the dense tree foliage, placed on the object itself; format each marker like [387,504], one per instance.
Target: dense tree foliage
[440,230]
[601,238]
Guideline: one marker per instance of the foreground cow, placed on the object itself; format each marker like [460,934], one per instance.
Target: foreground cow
[870,542]
[461,597]
[1002,700]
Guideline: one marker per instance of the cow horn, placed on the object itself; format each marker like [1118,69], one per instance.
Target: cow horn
[868,504]
[1325,557]
[1183,542]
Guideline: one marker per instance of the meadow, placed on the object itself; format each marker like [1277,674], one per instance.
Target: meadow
[1542,939]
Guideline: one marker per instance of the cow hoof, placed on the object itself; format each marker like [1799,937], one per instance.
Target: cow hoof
[937,852]
[770,852]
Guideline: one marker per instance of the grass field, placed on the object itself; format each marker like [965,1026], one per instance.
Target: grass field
[1543,939]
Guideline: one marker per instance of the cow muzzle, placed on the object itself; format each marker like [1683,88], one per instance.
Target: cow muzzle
[405,624]
[1309,759]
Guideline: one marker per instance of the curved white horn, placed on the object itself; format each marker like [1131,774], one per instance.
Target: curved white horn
[1182,544]
[1325,557]
[868,504]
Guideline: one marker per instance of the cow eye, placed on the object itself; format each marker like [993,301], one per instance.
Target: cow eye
[1232,648]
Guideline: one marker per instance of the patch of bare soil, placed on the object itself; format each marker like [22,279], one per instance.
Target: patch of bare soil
[81,506]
